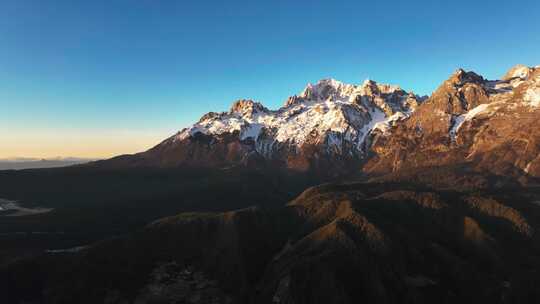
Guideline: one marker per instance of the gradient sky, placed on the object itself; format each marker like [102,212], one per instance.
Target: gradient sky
[100,78]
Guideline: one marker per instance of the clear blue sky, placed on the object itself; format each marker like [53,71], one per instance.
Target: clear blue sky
[139,70]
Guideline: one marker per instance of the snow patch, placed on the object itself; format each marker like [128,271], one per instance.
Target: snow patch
[384,126]
[377,117]
[502,86]
[532,97]
[528,167]
[521,72]
[460,119]
[251,131]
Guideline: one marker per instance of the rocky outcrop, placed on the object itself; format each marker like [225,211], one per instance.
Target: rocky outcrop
[488,125]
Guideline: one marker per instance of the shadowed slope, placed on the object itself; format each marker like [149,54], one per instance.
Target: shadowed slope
[335,243]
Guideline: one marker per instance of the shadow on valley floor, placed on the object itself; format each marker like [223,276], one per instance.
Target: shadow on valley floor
[90,204]
[335,243]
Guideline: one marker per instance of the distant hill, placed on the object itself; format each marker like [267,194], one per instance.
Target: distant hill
[36,163]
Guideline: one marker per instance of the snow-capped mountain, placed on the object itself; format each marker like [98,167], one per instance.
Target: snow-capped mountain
[327,120]
[329,111]
[332,127]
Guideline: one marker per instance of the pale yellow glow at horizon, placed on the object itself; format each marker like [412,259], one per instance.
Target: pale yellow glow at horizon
[77,143]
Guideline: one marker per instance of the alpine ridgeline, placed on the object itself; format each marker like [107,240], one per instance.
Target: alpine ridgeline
[333,128]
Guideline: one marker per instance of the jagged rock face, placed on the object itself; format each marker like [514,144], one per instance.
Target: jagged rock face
[322,129]
[491,126]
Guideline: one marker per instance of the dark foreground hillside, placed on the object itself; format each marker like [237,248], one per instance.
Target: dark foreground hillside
[335,243]
[90,204]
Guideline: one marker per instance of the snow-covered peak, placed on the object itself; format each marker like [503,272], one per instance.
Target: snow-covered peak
[371,88]
[460,77]
[331,89]
[367,82]
[247,107]
[327,89]
[329,113]
[521,79]
[518,71]
[459,72]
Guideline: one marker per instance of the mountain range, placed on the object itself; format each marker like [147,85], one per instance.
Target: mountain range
[19,163]
[332,128]
[346,194]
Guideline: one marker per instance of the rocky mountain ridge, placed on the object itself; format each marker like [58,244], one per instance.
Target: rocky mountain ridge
[327,120]
[490,126]
[332,128]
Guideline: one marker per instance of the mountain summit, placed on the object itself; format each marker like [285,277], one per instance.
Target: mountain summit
[489,126]
[325,127]
[332,128]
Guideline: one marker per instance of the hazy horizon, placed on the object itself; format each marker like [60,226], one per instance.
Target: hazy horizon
[90,144]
